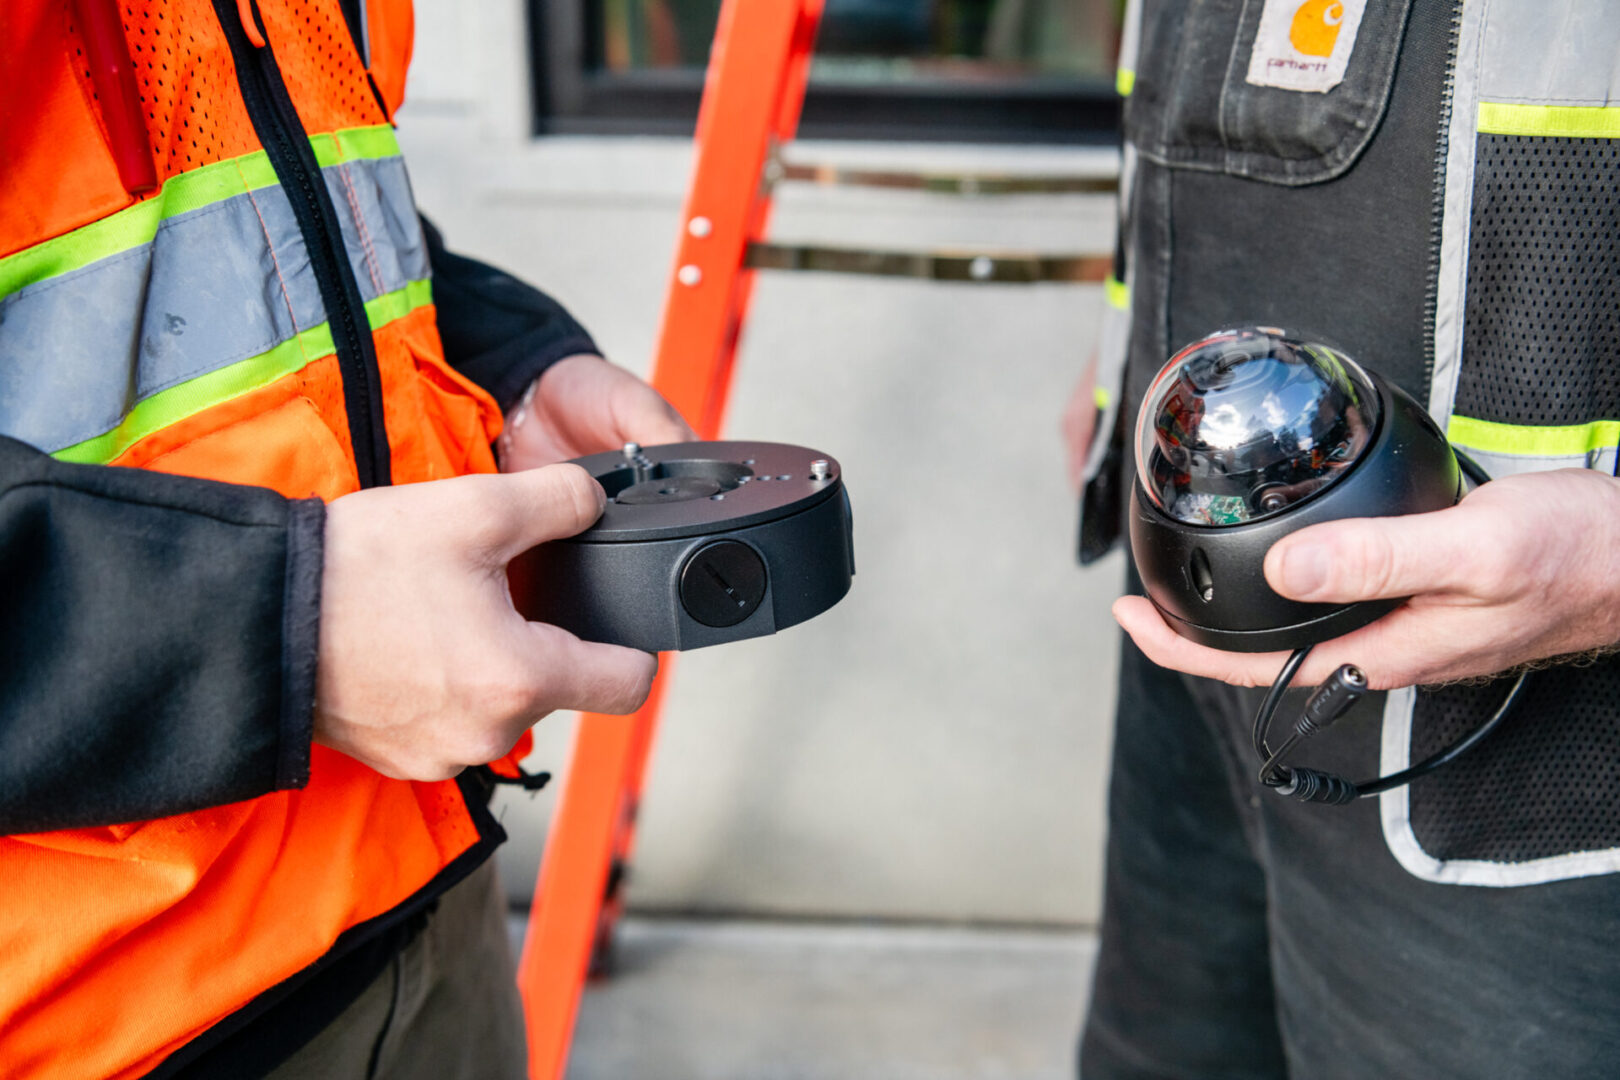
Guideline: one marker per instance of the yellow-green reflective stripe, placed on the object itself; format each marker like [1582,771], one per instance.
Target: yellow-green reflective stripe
[136,225]
[1117,293]
[1563,121]
[1101,397]
[354,144]
[1124,81]
[175,404]
[1569,441]
[399,303]
[193,396]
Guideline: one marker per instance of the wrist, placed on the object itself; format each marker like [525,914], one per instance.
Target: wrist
[300,639]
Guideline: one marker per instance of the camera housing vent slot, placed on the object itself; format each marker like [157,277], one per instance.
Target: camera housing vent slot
[1203,581]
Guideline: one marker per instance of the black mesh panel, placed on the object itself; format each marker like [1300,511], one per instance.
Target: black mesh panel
[1541,343]
[1547,782]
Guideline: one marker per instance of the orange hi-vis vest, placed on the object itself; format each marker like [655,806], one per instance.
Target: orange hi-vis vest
[257,310]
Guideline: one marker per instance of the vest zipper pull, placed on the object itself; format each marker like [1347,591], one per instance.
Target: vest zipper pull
[250,23]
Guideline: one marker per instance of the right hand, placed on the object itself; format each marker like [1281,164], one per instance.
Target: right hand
[1079,424]
[425,667]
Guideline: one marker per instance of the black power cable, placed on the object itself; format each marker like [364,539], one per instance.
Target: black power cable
[1332,700]
[1327,704]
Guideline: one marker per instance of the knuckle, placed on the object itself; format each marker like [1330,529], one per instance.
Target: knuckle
[491,743]
[502,693]
[1372,566]
[480,740]
[1494,565]
[576,494]
[424,767]
[1239,676]
[485,531]
[468,503]
[442,770]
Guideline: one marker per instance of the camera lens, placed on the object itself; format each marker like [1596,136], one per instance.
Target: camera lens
[1244,424]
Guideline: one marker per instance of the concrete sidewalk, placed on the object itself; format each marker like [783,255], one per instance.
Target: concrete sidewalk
[745,1000]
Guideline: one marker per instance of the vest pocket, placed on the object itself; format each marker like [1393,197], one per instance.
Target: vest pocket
[1537,801]
[439,424]
[1193,104]
[288,448]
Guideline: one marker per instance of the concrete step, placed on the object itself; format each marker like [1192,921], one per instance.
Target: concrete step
[753,1000]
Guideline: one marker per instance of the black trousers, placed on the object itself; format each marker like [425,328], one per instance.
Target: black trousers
[1249,937]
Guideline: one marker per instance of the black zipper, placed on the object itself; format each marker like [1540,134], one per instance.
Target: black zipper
[286,143]
[1431,291]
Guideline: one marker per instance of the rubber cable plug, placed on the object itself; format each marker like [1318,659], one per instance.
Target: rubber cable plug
[1331,700]
[1314,786]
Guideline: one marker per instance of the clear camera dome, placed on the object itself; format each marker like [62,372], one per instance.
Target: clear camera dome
[1246,423]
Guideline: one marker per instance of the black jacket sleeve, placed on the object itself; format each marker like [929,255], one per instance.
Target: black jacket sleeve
[158,638]
[498,331]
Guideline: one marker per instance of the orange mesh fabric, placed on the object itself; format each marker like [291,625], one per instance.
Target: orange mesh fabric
[320,64]
[187,81]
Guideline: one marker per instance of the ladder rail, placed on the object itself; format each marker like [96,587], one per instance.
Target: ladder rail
[760,45]
[753,94]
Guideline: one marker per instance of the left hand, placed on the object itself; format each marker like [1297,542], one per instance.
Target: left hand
[1079,424]
[1524,568]
[584,405]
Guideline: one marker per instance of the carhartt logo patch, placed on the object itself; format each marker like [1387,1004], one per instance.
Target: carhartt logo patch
[1305,46]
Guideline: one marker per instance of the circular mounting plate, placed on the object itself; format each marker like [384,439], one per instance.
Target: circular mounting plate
[691,489]
[695,547]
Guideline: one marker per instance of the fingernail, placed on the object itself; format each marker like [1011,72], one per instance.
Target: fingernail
[1303,570]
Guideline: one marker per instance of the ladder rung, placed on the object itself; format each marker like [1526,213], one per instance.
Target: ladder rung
[947,183]
[981,267]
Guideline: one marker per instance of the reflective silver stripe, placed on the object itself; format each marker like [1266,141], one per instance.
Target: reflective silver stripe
[1451,286]
[1499,464]
[78,351]
[1394,812]
[387,249]
[1113,342]
[1551,52]
[215,286]
[1130,47]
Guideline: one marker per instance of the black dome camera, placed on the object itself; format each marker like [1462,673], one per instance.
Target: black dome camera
[1244,437]
[1248,435]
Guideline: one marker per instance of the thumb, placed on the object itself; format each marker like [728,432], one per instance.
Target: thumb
[530,507]
[645,415]
[1372,558]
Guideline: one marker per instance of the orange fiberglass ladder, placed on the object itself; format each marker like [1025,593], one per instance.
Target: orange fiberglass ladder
[758,68]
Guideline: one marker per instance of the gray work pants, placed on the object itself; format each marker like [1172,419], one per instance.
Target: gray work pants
[446,1008]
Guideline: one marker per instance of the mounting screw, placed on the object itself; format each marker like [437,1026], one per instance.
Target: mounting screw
[700,226]
[689,275]
[631,449]
[818,469]
[981,268]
